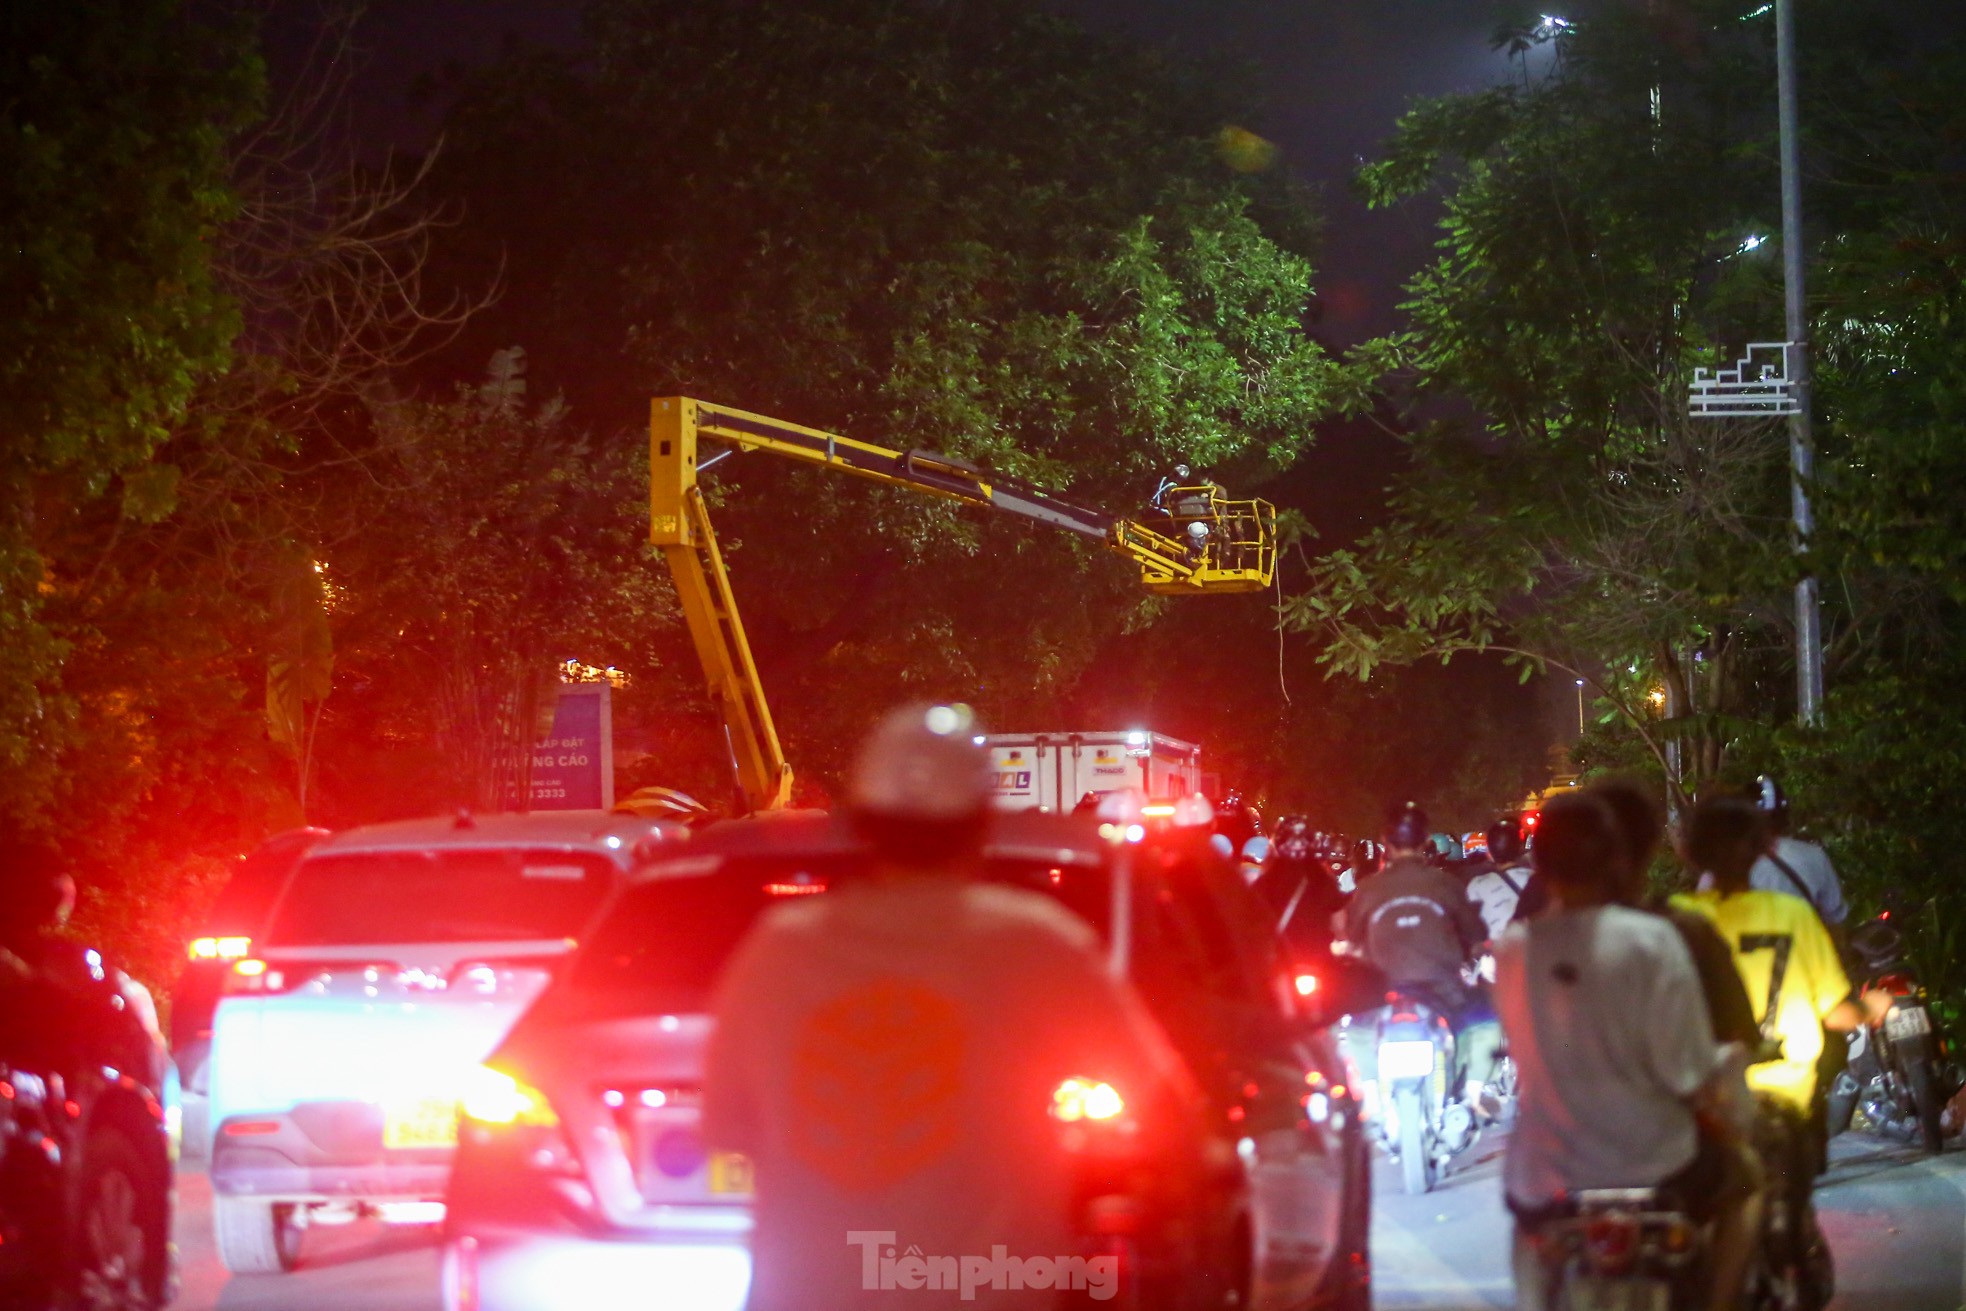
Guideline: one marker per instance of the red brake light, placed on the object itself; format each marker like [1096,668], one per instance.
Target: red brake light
[1306,984]
[250,1128]
[799,888]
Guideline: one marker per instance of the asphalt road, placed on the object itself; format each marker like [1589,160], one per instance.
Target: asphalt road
[1896,1222]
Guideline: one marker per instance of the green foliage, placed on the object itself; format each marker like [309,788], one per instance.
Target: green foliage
[114,117]
[1593,249]
[494,544]
[1596,244]
[964,227]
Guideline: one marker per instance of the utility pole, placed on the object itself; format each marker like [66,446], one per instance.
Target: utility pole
[1802,446]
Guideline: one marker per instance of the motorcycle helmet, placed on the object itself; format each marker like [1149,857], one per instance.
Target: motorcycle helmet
[1772,802]
[1294,839]
[1368,858]
[1407,828]
[920,787]
[1878,945]
[1237,821]
[1507,841]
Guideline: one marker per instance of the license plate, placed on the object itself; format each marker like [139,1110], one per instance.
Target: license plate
[1907,1022]
[730,1173]
[1591,1294]
[428,1123]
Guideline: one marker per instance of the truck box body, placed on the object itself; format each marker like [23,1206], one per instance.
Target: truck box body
[1051,771]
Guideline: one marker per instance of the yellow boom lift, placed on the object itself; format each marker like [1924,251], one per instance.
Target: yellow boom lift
[1206,543]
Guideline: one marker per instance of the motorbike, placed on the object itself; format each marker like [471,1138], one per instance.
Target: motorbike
[1793,1270]
[1899,1074]
[1616,1249]
[1421,1117]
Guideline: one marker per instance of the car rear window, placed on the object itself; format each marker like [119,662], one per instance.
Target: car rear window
[666,942]
[459,895]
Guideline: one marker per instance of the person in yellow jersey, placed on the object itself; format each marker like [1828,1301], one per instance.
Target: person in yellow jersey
[1794,978]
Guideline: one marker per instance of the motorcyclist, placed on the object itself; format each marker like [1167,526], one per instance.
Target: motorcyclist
[1496,889]
[1606,1024]
[1791,969]
[36,899]
[1415,923]
[1299,887]
[887,1055]
[1368,858]
[1792,865]
[37,896]
[1640,827]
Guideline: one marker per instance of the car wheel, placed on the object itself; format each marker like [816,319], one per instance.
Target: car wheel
[122,1226]
[256,1238]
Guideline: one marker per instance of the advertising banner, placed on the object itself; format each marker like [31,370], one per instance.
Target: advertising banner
[573,766]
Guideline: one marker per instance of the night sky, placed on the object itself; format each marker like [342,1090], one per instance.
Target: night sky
[1333,75]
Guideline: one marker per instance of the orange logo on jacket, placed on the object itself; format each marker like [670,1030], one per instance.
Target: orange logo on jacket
[876,1078]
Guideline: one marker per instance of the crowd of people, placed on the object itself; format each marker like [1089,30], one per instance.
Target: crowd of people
[1669,1043]
[1680,1042]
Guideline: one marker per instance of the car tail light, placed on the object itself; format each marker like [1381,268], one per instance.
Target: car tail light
[233,948]
[800,887]
[253,975]
[250,1128]
[490,1096]
[1611,1243]
[501,1117]
[1306,984]
[1078,1099]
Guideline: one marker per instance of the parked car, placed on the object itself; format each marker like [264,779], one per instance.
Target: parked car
[393,960]
[237,918]
[582,1179]
[85,1138]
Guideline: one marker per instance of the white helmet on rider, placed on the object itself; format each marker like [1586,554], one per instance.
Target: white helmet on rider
[921,786]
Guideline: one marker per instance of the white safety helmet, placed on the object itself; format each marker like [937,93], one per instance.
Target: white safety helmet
[922,764]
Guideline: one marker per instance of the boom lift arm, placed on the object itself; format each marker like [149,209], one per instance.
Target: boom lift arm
[1209,544]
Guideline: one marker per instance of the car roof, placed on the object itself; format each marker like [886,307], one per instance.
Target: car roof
[568,829]
[1032,835]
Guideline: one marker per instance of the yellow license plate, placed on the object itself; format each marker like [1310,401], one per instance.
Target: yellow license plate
[428,1123]
[730,1173]
[1588,1294]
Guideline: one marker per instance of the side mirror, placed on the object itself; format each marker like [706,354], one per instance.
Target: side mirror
[1338,986]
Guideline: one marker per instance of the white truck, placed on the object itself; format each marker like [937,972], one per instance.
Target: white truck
[1052,771]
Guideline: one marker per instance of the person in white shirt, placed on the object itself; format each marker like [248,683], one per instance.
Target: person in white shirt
[1792,866]
[1496,891]
[888,1054]
[1608,1026]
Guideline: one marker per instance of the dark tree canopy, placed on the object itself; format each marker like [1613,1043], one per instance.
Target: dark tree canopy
[958,226]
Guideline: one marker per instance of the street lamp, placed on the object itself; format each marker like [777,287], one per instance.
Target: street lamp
[1580,707]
